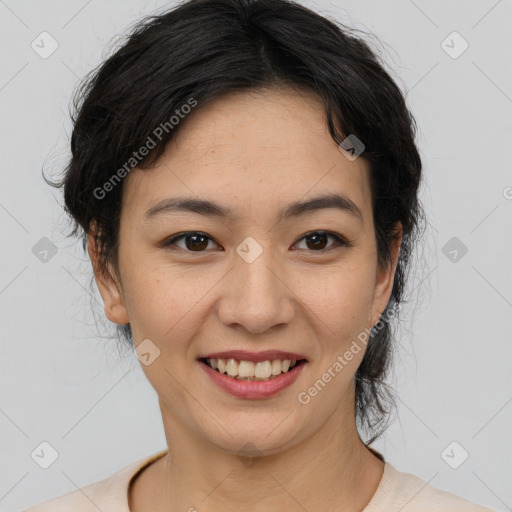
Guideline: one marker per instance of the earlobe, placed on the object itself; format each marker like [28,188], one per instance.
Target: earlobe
[108,285]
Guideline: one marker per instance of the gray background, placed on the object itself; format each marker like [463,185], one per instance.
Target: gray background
[62,383]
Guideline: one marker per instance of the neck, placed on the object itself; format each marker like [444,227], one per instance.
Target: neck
[330,470]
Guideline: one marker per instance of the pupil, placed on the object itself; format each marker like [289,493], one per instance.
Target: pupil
[316,244]
[194,245]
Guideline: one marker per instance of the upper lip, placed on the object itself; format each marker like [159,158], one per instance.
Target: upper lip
[244,355]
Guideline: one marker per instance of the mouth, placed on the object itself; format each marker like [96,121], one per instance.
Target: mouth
[253,375]
[249,370]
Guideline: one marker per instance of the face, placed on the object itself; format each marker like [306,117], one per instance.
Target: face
[264,276]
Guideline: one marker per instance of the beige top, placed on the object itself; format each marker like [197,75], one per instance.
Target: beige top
[397,492]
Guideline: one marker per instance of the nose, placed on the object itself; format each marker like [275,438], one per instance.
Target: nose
[256,295]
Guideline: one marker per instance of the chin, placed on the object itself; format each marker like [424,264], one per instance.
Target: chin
[257,438]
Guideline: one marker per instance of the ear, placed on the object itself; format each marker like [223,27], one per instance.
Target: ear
[385,278]
[108,285]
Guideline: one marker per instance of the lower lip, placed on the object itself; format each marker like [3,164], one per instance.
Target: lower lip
[253,389]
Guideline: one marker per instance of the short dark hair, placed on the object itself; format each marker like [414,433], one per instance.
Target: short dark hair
[205,48]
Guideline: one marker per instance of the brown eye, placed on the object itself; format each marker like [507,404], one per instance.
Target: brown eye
[318,240]
[194,241]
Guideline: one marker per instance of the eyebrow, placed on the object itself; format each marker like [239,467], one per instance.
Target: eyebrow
[210,208]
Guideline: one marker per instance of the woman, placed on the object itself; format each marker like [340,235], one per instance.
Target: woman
[245,176]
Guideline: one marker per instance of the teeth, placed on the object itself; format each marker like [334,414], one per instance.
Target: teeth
[276,367]
[262,370]
[248,370]
[232,367]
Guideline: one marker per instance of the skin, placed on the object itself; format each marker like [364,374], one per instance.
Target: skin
[255,152]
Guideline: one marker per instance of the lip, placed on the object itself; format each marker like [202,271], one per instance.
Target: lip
[253,389]
[255,357]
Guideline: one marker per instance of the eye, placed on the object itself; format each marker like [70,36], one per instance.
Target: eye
[319,241]
[195,241]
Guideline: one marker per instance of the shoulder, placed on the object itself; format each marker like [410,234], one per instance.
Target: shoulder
[107,495]
[414,494]
[85,499]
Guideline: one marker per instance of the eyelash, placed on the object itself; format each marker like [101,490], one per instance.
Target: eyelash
[339,241]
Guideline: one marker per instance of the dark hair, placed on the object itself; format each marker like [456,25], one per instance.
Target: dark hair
[205,48]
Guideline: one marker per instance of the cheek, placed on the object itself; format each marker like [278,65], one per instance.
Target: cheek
[161,300]
[340,297]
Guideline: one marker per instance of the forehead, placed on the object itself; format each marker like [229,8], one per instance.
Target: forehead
[255,151]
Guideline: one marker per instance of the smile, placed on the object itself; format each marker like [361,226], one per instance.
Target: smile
[250,375]
[252,371]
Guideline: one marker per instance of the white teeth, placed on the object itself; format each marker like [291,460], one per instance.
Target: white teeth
[263,370]
[276,367]
[232,367]
[248,370]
